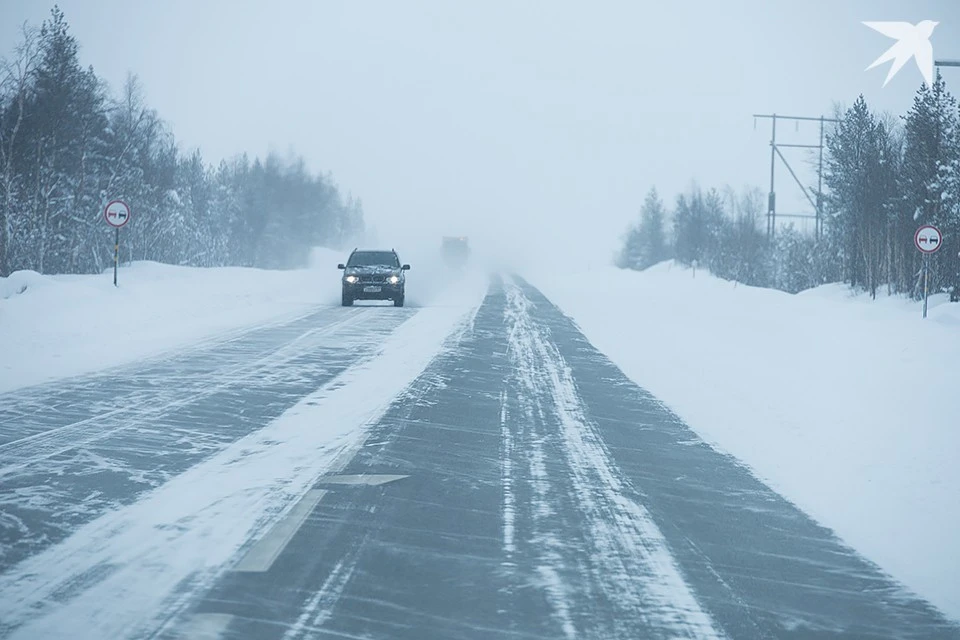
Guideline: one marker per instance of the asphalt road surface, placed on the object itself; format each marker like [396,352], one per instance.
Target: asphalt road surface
[520,487]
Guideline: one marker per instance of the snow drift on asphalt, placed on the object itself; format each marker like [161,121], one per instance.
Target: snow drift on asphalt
[844,405]
[132,569]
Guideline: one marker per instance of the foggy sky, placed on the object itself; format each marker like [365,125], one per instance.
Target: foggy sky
[536,126]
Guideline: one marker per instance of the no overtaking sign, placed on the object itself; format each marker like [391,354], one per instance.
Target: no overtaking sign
[928,239]
[117,213]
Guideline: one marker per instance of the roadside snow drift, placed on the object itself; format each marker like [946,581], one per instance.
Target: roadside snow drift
[846,406]
[58,326]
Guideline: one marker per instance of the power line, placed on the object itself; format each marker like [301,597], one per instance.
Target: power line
[775,147]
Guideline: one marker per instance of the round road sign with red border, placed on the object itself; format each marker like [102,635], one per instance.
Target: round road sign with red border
[928,239]
[117,213]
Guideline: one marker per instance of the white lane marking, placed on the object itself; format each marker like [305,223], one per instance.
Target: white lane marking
[264,553]
[370,479]
[205,626]
[630,559]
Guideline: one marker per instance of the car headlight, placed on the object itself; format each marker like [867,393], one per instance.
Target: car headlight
[393,279]
[351,279]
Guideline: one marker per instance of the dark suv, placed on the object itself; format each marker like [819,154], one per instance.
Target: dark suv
[373,275]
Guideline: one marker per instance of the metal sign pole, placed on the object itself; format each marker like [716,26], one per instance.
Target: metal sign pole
[116,255]
[928,240]
[117,214]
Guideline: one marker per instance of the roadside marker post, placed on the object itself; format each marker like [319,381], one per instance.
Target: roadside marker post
[117,214]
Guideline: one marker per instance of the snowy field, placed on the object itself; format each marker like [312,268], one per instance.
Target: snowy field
[844,405]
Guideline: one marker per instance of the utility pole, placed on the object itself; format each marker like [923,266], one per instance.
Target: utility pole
[775,151]
[954,296]
[818,227]
[772,196]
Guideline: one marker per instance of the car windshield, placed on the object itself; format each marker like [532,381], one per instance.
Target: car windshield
[373,259]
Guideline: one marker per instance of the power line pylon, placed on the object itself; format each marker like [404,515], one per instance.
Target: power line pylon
[817,201]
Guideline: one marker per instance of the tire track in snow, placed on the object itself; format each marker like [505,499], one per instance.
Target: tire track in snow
[320,607]
[506,472]
[629,563]
[551,559]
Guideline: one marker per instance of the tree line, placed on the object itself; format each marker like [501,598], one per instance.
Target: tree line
[67,147]
[884,177]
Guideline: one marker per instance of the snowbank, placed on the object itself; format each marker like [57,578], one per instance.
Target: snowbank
[57,326]
[846,406]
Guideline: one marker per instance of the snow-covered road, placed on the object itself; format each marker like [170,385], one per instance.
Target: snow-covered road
[72,451]
[127,484]
[474,469]
[588,536]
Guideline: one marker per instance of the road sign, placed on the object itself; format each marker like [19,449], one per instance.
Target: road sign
[928,239]
[117,213]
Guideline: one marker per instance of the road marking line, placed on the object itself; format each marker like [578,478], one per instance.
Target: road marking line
[364,479]
[205,626]
[264,553]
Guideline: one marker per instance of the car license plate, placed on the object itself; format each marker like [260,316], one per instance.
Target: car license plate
[371,289]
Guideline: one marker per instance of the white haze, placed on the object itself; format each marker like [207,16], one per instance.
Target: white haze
[535,128]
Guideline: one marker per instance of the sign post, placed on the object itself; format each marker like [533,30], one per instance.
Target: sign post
[928,240]
[117,214]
